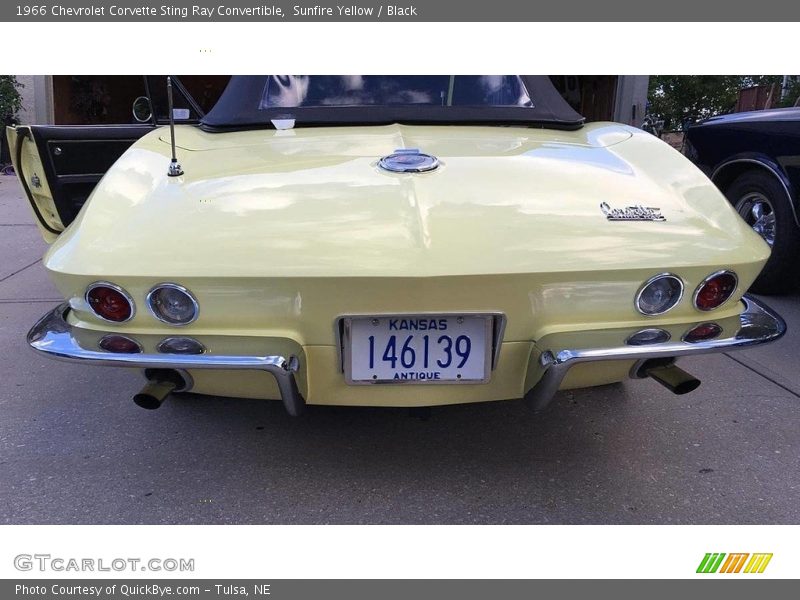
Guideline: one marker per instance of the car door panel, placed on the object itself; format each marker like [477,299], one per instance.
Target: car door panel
[59,166]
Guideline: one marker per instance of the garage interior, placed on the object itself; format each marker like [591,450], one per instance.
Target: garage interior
[107,99]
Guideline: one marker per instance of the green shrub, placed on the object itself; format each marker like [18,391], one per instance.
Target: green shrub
[10,99]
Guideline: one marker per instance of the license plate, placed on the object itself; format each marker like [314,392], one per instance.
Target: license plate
[421,349]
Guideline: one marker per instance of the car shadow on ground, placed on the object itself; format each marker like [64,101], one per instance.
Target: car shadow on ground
[428,436]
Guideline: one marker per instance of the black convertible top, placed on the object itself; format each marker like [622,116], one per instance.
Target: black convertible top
[249,102]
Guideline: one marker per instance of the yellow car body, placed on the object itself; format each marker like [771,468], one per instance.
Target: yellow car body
[279,234]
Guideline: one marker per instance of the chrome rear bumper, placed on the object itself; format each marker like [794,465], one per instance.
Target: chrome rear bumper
[758,324]
[52,336]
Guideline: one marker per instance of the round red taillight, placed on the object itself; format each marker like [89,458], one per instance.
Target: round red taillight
[120,344]
[109,302]
[715,290]
[702,332]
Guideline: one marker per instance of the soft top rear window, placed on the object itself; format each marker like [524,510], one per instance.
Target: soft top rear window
[260,101]
[293,91]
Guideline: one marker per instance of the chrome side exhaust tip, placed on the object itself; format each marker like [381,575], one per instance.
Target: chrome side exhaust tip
[668,374]
[153,394]
[675,379]
[160,384]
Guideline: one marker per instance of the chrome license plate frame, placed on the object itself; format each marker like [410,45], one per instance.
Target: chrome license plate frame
[491,326]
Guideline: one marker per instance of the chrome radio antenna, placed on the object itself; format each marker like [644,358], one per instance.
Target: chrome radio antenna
[174,167]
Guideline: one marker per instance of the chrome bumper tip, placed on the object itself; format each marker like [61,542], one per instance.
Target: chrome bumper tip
[758,324]
[53,337]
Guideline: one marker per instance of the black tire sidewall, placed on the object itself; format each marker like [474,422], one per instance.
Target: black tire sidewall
[779,274]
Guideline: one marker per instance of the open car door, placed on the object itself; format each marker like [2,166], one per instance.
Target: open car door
[59,165]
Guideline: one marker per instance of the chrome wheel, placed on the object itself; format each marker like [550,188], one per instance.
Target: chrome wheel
[756,209]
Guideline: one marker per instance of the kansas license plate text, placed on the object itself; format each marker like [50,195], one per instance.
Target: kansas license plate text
[418,349]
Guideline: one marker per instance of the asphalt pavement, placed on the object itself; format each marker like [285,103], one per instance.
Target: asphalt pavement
[75,449]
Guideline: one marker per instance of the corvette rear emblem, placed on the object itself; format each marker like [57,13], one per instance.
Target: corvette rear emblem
[632,213]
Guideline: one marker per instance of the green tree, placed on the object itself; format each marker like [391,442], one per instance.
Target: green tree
[678,98]
[10,99]
[792,94]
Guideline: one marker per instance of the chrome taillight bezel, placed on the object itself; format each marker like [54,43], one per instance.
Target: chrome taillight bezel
[120,290]
[709,278]
[653,279]
[180,288]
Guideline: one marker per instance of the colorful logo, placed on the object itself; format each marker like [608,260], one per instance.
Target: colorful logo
[713,562]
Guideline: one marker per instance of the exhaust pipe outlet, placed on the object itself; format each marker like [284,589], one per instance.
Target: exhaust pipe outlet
[153,394]
[675,379]
[160,384]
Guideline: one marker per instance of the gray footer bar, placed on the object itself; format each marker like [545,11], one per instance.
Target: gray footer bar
[382,589]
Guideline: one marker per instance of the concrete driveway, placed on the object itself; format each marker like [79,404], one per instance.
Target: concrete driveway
[75,449]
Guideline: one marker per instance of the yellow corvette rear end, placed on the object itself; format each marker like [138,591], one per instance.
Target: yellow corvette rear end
[525,260]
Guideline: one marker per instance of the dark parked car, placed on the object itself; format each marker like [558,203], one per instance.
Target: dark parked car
[754,158]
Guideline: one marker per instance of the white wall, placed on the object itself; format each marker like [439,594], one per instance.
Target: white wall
[631,98]
[37,99]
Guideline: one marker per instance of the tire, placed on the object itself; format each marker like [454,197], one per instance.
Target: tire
[776,226]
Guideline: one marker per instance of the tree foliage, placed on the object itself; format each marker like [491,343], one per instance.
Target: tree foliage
[792,94]
[10,99]
[680,98]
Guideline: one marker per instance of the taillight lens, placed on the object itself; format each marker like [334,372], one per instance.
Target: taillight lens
[110,302]
[659,294]
[172,304]
[702,332]
[120,344]
[646,337]
[715,290]
[181,345]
